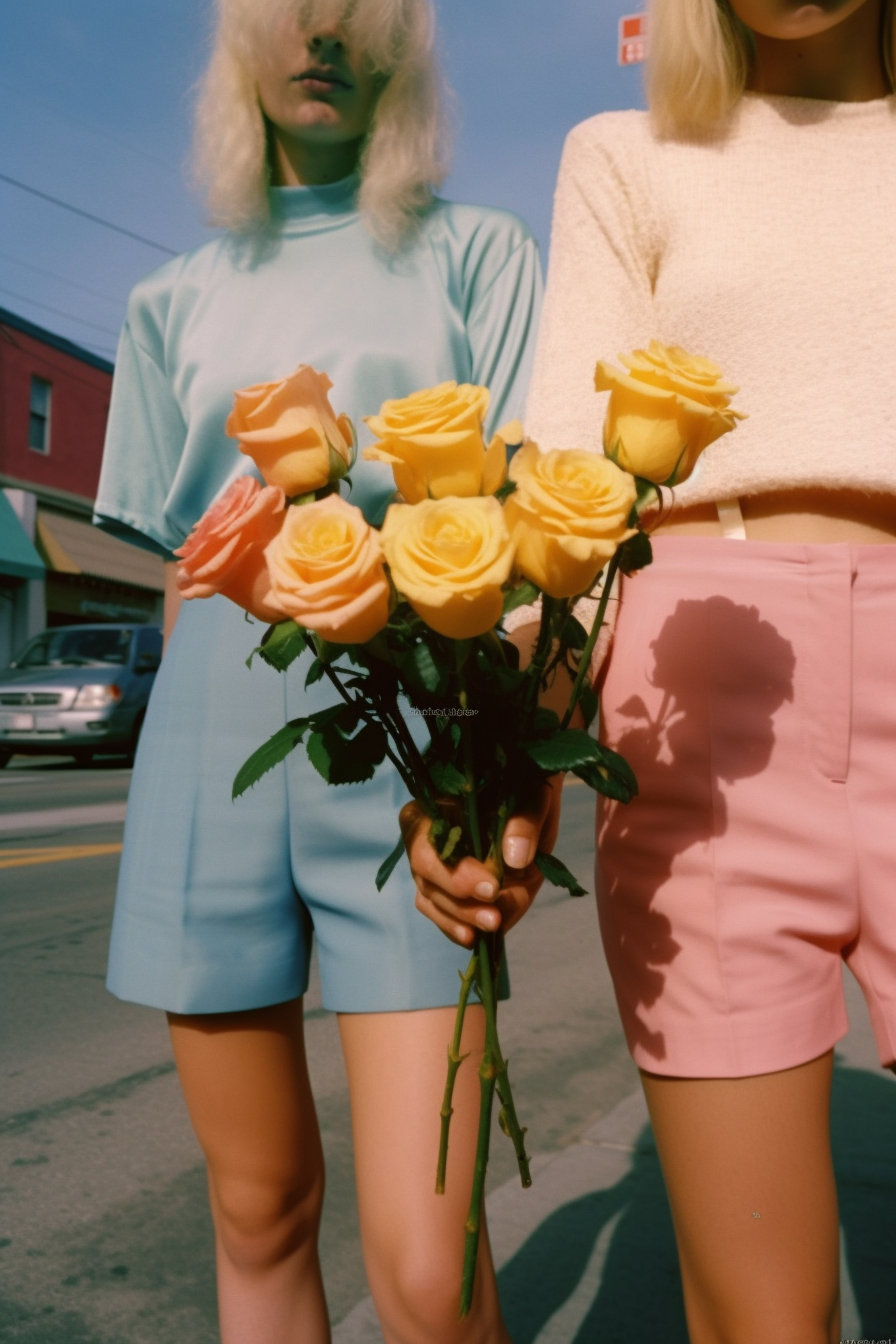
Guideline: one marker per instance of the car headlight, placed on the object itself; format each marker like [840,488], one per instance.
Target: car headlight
[97,697]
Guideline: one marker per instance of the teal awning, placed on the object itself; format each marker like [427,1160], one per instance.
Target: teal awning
[18,558]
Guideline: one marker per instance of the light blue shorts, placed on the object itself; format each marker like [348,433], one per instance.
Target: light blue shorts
[217,900]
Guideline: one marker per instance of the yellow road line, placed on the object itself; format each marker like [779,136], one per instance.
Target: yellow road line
[21,858]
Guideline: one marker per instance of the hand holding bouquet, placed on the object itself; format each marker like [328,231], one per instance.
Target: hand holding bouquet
[409,619]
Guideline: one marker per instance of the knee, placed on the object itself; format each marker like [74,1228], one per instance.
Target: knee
[421,1289]
[808,1321]
[260,1223]
[428,1290]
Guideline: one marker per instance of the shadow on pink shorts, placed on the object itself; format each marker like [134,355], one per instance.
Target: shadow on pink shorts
[752,686]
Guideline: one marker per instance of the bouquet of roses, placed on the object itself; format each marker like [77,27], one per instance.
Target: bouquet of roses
[411,616]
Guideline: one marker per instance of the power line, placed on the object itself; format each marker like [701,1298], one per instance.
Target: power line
[69,120]
[54,275]
[58,311]
[94,219]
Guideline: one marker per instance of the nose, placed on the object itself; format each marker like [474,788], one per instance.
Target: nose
[326,40]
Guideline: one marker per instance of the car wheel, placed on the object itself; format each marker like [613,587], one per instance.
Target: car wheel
[83,756]
[6,755]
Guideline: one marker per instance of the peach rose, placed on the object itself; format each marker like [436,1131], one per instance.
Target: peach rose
[449,558]
[664,411]
[292,433]
[225,551]
[433,442]
[326,570]
[567,516]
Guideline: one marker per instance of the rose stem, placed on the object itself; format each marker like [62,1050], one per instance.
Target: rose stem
[585,660]
[469,762]
[486,995]
[542,645]
[455,1059]
[486,1095]
[508,1116]
[402,734]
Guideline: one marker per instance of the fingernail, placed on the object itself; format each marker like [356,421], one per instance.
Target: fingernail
[485,891]
[488,921]
[516,851]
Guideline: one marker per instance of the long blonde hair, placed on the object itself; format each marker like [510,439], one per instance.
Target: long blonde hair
[700,57]
[407,148]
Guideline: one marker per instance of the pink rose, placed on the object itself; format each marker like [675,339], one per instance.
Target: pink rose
[225,551]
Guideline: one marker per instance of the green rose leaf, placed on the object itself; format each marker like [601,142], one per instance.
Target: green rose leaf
[281,645]
[315,672]
[446,778]
[573,634]
[635,553]
[504,490]
[557,873]
[422,671]
[509,679]
[588,703]
[610,774]
[545,720]
[271,753]
[567,750]
[521,596]
[340,754]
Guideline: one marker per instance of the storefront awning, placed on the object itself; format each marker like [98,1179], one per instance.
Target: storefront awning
[18,558]
[75,547]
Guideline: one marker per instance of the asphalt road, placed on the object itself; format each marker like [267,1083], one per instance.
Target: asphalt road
[104,1232]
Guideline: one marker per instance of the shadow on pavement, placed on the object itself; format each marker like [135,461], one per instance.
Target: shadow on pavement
[637,1283]
[863,1126]
[631,1281]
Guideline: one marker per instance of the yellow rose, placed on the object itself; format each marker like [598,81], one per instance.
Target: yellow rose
[664,412]
[567,516]
[326,570]
[449,558]
[433,443]
[292,433]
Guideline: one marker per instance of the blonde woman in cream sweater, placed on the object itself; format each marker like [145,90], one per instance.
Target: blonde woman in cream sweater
[750,217]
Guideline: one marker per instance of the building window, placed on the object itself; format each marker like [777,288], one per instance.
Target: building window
[39,419]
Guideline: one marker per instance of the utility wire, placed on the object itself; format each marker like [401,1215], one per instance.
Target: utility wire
[95,219]
[87,126]
[54,275]
[58,311]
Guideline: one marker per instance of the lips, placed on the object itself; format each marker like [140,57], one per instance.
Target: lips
[323,78]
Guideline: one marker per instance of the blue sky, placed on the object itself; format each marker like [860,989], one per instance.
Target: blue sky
[95,100]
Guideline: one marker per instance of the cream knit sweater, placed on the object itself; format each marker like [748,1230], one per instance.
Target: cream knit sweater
[771,249]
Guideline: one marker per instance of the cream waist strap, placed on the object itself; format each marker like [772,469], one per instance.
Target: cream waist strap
[731,520]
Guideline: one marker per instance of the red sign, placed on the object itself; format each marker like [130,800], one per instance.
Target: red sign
[632,39]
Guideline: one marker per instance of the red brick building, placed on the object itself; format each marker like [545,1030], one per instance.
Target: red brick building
[55,567]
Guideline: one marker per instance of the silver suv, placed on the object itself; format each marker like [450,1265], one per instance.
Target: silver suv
[78,689]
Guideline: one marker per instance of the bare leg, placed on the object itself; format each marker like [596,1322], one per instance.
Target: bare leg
[414,1238]
[245,1080]
[747,1163]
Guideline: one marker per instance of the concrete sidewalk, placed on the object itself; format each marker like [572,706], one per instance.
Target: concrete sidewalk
[588,1253]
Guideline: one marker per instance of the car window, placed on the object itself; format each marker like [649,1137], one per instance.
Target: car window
[149,640]
[77,648]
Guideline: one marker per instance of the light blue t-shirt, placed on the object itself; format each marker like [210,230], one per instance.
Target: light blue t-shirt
[461,302]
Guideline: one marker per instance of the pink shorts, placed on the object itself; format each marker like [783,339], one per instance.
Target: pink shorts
[752,687]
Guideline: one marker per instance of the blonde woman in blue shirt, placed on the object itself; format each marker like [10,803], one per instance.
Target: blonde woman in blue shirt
[320,134]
